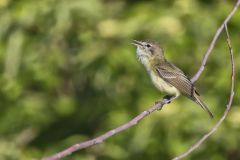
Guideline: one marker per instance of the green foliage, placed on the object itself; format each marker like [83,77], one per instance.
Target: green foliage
[69,73]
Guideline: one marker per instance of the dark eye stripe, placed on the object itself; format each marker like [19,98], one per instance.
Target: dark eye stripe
[148,45]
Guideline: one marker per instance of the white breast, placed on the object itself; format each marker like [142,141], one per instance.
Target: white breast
[163,86]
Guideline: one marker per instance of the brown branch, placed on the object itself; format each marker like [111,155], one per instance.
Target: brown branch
[158,106]
[199,142]
[108,134]
[209,50]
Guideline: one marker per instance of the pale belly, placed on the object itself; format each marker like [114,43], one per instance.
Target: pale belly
[164,86]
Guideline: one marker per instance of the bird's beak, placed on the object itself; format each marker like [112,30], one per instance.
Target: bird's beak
[137,43]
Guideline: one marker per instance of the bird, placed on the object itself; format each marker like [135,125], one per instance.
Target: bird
[165,76]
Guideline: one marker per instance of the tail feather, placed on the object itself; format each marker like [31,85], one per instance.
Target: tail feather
[203,105]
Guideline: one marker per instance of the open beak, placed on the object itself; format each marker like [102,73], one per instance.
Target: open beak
[137,43]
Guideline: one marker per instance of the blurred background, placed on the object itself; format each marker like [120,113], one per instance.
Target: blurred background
[69,73]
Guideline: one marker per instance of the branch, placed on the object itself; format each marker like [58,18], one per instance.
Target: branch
[108,134]
[159,105]
[209,50]
[199,142]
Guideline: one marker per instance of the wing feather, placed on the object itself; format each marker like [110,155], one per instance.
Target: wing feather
[176,77]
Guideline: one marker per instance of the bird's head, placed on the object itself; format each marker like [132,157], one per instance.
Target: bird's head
[148,51]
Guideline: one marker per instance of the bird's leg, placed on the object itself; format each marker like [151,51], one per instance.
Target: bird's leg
[167,98]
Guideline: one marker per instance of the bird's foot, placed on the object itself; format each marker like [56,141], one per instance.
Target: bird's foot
[168,98]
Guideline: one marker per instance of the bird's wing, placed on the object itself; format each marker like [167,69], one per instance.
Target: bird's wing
[176,77]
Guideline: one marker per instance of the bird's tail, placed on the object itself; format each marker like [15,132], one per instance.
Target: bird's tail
[203,105]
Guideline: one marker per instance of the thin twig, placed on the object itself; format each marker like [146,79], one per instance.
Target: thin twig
[108,134]
[228,107]
[134,121]
[209,50]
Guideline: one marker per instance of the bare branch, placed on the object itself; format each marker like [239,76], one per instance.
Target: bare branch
[158,106]
[228,107]
[108,134]
[219,30]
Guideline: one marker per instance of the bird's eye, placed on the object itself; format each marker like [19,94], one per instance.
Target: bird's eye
[148,45]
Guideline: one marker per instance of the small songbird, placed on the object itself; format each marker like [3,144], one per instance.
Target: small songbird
[166,76]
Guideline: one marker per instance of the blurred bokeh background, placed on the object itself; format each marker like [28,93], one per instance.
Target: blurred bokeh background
[69,73]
